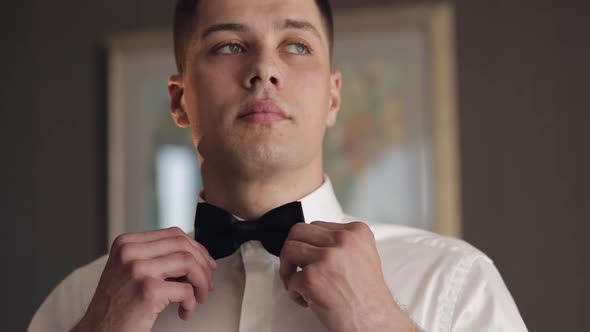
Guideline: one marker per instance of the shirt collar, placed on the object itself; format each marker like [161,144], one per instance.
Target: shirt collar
[321,204]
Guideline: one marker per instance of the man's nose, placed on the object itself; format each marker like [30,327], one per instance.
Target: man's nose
[263,73]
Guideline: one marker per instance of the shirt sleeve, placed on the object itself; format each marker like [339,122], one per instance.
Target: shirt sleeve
[484,302]
[62,309]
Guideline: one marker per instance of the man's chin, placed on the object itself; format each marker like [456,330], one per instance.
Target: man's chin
[266,159]
[262,152]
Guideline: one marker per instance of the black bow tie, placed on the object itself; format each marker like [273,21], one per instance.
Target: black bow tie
[222,234]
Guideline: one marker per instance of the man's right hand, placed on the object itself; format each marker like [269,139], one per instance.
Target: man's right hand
[146,272]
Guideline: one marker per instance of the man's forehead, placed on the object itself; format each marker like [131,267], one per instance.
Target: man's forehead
[253,12]
[278,25]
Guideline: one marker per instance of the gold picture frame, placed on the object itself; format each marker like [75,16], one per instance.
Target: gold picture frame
[395,37]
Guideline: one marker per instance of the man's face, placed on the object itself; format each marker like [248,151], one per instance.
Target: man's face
[257,89]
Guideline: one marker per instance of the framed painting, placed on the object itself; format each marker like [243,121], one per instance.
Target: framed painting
[392,156]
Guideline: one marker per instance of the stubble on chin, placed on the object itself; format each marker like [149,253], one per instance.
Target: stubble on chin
[249,158]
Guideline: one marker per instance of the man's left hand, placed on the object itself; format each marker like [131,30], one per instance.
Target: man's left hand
[340,279]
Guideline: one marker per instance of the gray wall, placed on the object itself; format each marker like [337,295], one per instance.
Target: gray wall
[523,72]
[525,154]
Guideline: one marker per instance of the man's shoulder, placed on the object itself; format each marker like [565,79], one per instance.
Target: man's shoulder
[84,280]
[92,270]
[66,304]
[405,243]
[441,280]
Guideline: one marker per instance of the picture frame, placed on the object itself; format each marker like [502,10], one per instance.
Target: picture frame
[141,134]
[417,31]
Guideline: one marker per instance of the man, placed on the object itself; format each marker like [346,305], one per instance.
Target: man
[255,87]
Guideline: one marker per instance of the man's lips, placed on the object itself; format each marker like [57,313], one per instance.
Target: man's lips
[262,111]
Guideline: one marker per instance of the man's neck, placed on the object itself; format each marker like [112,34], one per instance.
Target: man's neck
[251,198]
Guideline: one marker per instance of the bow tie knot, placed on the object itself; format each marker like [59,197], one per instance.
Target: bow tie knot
[222,233]
[246,229]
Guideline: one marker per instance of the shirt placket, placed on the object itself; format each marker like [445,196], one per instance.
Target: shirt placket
[257,303]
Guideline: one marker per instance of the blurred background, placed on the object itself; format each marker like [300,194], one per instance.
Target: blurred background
[522,71]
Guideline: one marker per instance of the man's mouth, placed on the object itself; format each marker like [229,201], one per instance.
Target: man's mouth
[262,111]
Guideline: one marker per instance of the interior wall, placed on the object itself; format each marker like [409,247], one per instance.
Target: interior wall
[53,94]
[523,71]
[524,145]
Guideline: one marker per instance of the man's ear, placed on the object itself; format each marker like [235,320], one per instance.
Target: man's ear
[335,99]
[177,104]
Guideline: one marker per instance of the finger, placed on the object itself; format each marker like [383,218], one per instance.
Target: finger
[148,235]
[181,264]
[329,225]
[312,234]
[152,249]
[286,270]
[144,251]
[198,275]
[356,227]
[205,253]
[300,253]
[351,226]
[295,289]
[178,292]
[156,235]
[296,254]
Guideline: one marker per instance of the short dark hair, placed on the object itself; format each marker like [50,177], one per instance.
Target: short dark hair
[185,15]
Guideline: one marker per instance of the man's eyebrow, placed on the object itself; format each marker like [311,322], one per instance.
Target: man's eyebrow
[223,27]
[301,25]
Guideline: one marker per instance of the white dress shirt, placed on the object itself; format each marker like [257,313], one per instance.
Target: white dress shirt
[443,284]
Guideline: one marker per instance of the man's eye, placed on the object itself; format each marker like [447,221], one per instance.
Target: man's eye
[232,48]
[298,48]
